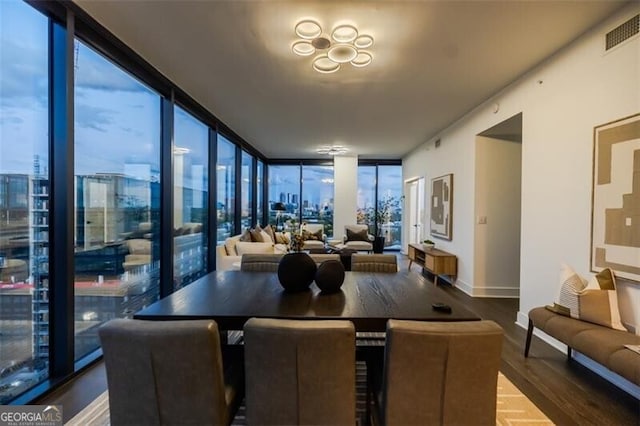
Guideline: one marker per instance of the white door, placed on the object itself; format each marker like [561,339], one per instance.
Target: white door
[416,209]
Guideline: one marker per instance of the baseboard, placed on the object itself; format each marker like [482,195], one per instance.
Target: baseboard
[500,292]
[619,381]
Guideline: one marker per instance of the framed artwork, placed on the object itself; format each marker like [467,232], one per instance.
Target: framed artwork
[442,206]
[615,212]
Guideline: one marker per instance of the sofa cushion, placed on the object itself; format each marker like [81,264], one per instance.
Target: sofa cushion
[600,343]
[256,235]
[272,233]
[266,237]
[246,248]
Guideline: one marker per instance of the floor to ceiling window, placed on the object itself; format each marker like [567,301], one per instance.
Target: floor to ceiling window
[24,199]
[246,190]
[190,198]
[284,194]
[259,192]
[317,196]
[117,195]
[380,190]
[226,191]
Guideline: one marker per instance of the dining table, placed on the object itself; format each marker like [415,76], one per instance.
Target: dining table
[366,299]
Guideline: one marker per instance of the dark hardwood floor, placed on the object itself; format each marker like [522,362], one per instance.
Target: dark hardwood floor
[567,392]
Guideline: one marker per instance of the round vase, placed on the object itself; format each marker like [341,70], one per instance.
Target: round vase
[330,276]
[296,271]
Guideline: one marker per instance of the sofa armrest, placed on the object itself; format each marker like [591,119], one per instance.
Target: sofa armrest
[226,263]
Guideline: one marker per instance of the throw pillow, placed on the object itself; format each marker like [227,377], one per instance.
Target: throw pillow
[601,307]
[282,238]
[253,248]
[230,245]
[603,280]
[266,237]
[306,235]
[571,285]
[272,233]
[256,235]
[362,235]
[245,236]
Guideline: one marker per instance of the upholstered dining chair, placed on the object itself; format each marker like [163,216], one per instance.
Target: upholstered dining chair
[169,372]
[374,262]
[260,262]
[300,372]
[442,373]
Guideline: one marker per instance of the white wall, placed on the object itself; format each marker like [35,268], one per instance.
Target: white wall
[497,200]
[562,100]
[345,175]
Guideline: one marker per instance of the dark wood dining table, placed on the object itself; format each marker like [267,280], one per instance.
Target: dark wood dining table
[366,299]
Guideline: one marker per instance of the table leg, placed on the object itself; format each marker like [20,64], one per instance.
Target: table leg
[409,267]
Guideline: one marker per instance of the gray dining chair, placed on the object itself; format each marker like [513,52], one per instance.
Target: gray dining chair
[300,372]
[260,262]
[169,372]
[442,373]
[374,263]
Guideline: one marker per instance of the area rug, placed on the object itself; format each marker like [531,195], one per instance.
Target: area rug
[513,407]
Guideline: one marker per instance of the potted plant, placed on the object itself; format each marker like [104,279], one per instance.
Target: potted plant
[428,244]
[381,216]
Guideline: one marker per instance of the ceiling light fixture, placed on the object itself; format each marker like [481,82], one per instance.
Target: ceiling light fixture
[344,46]
[332,150]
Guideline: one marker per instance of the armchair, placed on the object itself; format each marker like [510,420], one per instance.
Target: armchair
[357,237]
[317,232]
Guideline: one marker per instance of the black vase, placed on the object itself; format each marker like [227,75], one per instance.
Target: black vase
[330,276]
[296,271]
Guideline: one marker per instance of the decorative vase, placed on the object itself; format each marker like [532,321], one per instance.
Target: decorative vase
[378,245]
[296,271]
[330,276]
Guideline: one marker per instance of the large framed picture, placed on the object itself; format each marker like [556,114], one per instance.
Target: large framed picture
[442,206]
[615,220]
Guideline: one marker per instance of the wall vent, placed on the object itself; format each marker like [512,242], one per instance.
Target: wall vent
[623,32]
[437,144]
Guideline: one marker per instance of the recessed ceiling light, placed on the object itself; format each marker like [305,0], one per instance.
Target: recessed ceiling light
[308,29]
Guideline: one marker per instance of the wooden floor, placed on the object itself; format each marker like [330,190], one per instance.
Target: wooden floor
[567,392]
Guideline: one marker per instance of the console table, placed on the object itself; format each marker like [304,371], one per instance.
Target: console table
[438,262]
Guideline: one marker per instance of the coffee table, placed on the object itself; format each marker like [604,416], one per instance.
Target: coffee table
[345,254]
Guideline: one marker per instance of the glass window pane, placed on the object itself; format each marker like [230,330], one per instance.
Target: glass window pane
[284,187]
[117,195]
[247,190]
[317,196]
[259,192]
[190,195]
[24,199]
[366,196]
[390,193]
[226,182]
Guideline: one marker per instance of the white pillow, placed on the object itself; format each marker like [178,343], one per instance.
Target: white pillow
[253,248]
[571,286]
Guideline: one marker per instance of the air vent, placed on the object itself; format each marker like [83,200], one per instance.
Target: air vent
[623,32]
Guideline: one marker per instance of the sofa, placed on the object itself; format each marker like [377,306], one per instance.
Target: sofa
[229,254]
[602,344]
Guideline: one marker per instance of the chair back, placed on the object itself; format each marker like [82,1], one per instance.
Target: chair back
[319,258]
[356,228]
[314,227]
[260,262]
[441,373]
[300,372]
[374,262]
[164,372]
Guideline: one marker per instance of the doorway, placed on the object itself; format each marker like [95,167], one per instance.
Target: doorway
[498,199]
[415,190]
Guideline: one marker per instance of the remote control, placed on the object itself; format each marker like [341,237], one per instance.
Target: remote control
[441,307]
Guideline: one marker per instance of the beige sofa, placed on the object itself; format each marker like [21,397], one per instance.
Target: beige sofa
[229,254]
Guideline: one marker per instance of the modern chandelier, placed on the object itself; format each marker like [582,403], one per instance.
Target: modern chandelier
[345,46]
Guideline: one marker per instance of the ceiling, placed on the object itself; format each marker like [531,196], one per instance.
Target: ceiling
[433,61]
